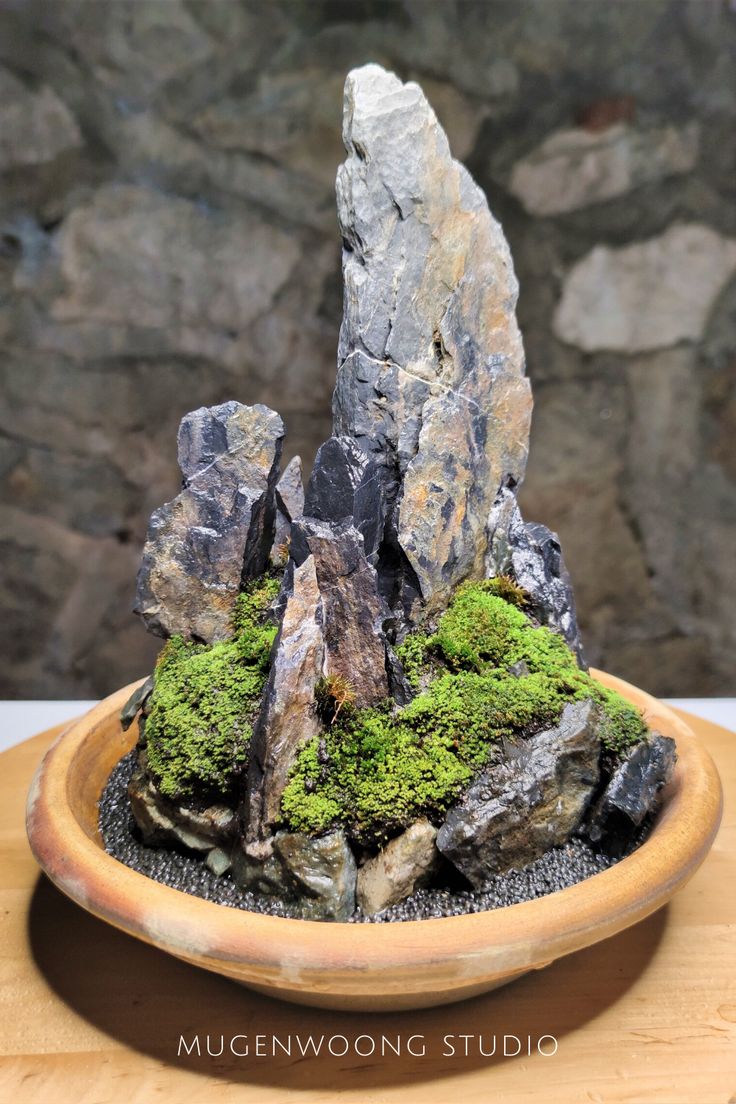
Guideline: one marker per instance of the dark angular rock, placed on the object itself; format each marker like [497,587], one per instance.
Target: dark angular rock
[398,685]
[219,530]
[135,703]
[290,490]
[289,505]
[519,809]
[379,404]
[322,871]
[316,873]
[346,483]
[352,610]
[287,718]
[260,870]
[532,555]
[632,793]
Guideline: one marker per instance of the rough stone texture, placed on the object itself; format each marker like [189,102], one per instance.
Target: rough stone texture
[314,875]
[430,360]
[290,490]
[219,530]
[289,505]
[35,127]
[323,872]
[135,703]
[523,806]
[573,168]
[531,554]
[161,821]
[234,125]
[352,609]
[648,295]
[404,865]
[632,793]
[346,483]
[555,870]
[287,716]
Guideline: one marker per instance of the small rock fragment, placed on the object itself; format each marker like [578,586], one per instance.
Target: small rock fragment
[347,484]
[218,861]
[219,530]
[406,863]
[135,703]
[35,125]
[323,873]
[353,612]
[532,555]
[317,873]
[519,809]
[289,505]
[632,793]
[261,872]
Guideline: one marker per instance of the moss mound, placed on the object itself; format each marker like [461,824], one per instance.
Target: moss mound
[205,699]
[485,676]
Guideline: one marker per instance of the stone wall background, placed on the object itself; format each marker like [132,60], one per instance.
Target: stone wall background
[168,239]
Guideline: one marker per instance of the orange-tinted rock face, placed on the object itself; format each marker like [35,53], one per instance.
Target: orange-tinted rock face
[431,365]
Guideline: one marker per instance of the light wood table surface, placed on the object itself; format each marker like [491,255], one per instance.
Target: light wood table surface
[89,1015]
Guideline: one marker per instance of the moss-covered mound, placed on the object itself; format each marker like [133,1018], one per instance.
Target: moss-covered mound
[204,702]
[487,675]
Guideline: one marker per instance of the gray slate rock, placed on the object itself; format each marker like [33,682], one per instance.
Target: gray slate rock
[352,609]
[219,530]
[632,793]
[519,809]
[532,555]
[135,703]
[219,861]
[323,873]
[346,483]
[289,505]
[316,873]
[287,717]
[161,821]
[405,864]
[430,361]
[260,870]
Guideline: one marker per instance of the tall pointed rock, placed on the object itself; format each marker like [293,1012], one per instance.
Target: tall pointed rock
[430,361]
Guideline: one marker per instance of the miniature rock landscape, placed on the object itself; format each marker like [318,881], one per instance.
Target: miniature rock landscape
[373,686]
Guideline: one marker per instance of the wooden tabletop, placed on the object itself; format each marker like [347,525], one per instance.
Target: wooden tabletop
[89,1015]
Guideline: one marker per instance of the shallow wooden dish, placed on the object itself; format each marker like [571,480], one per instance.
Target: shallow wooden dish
[354,966]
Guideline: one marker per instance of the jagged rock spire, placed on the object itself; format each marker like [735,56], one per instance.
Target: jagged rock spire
[430,360]
[219,529]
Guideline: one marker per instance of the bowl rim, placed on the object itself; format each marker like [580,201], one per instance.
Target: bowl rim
[513,938]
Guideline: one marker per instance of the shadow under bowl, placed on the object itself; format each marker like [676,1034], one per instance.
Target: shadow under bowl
[361,967]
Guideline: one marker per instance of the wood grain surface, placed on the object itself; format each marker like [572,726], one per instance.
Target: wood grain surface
[89,1015]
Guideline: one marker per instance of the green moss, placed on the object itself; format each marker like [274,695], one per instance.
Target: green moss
[376,770]
[374,773]
[412,654]
[204,702]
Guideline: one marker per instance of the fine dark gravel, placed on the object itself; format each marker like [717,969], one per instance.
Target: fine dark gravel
[559,868]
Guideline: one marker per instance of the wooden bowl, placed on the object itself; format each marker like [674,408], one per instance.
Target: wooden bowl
[414,964]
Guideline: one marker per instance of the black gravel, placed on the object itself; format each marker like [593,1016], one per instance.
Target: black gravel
[559,868]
